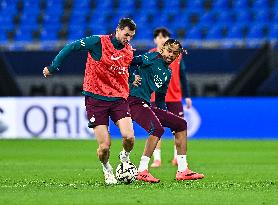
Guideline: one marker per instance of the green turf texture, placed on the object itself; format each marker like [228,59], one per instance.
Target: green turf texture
[68,172]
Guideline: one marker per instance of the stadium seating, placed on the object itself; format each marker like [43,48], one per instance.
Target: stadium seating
[273,32]
[30,20]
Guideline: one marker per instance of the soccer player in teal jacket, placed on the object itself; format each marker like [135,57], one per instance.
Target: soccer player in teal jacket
[155,74]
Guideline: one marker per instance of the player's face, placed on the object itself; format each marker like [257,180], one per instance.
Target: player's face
[125,35]
[160,40]
[170,52]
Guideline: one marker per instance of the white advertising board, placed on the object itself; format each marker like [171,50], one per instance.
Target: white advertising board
[44,117]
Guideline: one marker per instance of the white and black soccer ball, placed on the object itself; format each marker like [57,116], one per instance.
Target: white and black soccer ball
[126,172]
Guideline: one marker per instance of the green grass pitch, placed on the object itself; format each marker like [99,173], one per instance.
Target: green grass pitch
[68,172]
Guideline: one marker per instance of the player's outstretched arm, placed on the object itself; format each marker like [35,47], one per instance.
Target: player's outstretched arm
[134,77]
[160,100]
[185,85]
[136,61]
[88,43]
[145,59]
[160,95]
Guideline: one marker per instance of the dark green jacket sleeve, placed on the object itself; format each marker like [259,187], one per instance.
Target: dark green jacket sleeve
[184,82]
[136,61]
[91,44]
[132,70]
[145,59]
[160,95]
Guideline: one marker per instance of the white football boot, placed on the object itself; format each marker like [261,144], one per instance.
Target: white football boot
[109,177]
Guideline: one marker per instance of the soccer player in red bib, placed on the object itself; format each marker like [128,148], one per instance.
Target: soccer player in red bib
[178,87]
[106,88]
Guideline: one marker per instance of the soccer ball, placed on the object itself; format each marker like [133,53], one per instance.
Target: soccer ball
[126,172]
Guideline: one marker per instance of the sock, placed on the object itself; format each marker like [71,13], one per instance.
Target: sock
[106,166]
[175,152]
[144,163]
[126,153]
[182,163]
[156,154]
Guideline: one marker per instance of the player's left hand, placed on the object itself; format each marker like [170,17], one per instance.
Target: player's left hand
[188,103]
[137,81]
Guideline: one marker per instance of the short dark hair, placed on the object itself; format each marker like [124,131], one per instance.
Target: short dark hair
[161,30]
[171,41]
[127,22]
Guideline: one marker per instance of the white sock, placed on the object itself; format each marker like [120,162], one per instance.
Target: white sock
[156,154]
[182,163]
[175,152]
[144,163]
[107,166]
[126,153]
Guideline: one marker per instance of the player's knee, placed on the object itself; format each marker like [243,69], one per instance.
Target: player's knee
[179,137]
[104,147]
[128,136]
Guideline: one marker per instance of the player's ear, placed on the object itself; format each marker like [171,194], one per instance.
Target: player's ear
[118,29]
[162,49]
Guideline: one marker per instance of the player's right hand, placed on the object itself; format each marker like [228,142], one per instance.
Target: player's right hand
[46,72]
[137,81]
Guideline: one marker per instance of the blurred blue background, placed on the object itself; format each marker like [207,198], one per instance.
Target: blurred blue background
[51,20]
[232,61]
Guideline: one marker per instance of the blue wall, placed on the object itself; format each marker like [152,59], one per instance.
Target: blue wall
[228,118]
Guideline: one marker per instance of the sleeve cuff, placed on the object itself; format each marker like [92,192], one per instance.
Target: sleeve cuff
[52,69]
[161,105]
